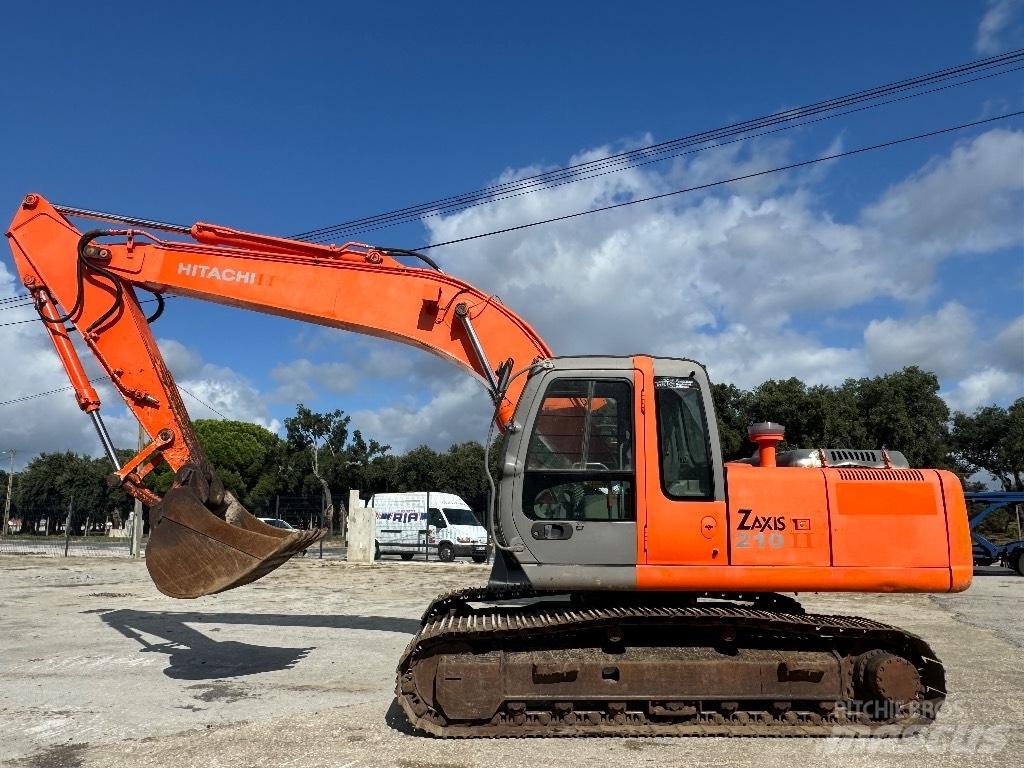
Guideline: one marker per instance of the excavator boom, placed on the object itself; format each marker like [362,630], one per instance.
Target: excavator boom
[86,284]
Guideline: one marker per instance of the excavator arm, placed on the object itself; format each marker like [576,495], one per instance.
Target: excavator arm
[202,541]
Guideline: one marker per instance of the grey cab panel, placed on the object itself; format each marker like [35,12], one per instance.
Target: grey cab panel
[568,486]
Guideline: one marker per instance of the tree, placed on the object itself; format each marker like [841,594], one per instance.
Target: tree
[466,468]
[459,470]
[787,403]
[324,436]
[358,460]
[814,417]
[249,459]
[246,456]
[3,491]
[731,409]
[992,440]
[51,480]
[903,411]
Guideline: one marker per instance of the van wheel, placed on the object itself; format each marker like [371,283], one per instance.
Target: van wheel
[1017,562]
[445,552]
[376,550]
[407,555]
[479,558]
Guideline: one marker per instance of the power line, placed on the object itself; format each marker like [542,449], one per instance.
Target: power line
[38,319]
[44,394]
[577,214]
[32,303]
[101,378]
[643,155]
[779,169]
[20,322]
[705,148]
[15,306]
[202,402]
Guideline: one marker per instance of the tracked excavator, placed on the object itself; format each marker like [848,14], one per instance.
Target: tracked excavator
[638,578]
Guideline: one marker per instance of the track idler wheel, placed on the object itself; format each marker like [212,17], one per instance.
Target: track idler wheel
[885,677]
[194,551]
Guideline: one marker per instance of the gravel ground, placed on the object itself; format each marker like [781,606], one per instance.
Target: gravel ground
[98,669]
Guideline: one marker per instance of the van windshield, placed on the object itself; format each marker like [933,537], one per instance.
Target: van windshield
[457,516]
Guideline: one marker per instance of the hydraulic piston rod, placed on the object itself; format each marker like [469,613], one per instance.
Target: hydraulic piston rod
[101,430]
[134,221]
[462,312]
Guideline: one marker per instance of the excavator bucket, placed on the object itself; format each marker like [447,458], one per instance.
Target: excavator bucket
[192,552]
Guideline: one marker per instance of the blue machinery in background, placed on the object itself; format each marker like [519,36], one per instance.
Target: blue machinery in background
[986,552]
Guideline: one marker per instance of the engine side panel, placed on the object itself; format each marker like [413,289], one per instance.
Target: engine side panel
[886,516]
[778,516]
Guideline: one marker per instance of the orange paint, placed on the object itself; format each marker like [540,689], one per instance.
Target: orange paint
[317,284]
[786,578]
[826,530]
[671,531]
[778,516]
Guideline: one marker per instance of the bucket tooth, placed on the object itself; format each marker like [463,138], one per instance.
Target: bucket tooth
[192,552]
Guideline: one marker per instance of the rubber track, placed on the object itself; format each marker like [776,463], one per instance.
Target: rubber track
[450,619]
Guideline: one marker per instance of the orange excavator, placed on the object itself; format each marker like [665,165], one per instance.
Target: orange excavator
[637,576]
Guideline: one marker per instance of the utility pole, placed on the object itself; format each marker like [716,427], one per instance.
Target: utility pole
[10,490]
[135,546]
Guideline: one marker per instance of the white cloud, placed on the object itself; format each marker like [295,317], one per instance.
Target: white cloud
[998,373]
[968,202]
[387,360]
[987,386]
[458,412]
[941,342]
[223,392]
[1000,21]
[670,275]
[182,361]
[726,278]
[296,380]
[1008,347]
[748,355]
[54,422]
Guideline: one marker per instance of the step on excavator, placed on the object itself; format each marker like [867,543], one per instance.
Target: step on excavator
[638,578]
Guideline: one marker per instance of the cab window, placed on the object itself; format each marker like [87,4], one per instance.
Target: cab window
[682,439]
[436,519]
[579,463]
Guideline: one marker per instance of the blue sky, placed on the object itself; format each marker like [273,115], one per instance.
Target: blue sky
[279,119]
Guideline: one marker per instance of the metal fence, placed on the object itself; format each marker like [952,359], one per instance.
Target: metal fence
[55,532]
[301,512]
[63,533]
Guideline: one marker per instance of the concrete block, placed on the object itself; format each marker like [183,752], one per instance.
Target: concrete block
[361,520]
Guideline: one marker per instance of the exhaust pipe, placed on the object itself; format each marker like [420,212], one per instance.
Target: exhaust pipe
[766,435]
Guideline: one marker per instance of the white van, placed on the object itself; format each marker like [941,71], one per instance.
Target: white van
[430,522]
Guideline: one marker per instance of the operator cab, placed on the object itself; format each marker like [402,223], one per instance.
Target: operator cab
[587,429]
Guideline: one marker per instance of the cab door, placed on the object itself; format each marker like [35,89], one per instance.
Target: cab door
[683,510]
[574,485]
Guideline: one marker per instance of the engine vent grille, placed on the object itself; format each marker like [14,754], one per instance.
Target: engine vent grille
[841,455]
[905,475]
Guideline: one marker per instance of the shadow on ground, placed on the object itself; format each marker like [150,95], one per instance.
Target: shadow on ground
[993,570]
[396,720]
[195,656]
